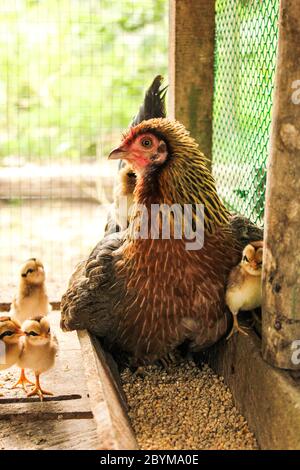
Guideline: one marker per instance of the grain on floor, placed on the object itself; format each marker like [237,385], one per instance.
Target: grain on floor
[185,407]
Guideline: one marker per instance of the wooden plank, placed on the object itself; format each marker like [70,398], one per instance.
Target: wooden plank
[5,305]
[66,378]
[107,402]
[48,435]
[191,67]
[268,398]
[60,416]
[86,388]
[92,181]
[49,409]
[54,294]
[281,278]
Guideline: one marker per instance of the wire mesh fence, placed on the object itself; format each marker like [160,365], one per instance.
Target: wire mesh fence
[245,57]
[72,76]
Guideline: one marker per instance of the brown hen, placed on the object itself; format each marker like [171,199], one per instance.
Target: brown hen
[147,295]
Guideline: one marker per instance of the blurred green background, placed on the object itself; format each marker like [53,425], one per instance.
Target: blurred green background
[72,73]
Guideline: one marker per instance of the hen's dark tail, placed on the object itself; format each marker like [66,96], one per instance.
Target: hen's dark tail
[154,102]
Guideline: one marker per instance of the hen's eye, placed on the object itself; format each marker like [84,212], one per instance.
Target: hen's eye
[146,143]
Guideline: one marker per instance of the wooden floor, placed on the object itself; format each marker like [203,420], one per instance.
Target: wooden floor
[64,421]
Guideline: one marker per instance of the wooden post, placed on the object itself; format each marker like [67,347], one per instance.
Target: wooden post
[191,67]
[281,276]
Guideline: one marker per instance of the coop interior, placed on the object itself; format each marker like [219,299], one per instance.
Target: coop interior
[73,76]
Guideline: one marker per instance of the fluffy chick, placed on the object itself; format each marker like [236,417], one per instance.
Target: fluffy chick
[118,218]
[10,347]
[39,348]
[32,295]
[244,284]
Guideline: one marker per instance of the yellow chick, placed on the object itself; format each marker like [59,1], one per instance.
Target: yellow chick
[123,200]
[124,189]
[10,345]
[244,284]
[39,348]
[32,296]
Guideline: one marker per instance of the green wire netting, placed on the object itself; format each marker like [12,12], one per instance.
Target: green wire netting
[245,57]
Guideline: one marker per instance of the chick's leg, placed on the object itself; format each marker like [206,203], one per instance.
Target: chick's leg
[22,381]
[38,389]
[236,327]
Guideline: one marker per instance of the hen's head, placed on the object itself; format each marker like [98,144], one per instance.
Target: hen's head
[170,168]
[141,149]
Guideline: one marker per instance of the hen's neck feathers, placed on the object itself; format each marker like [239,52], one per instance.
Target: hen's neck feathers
[183,179]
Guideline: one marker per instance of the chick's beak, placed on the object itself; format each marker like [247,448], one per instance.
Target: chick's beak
[118,153]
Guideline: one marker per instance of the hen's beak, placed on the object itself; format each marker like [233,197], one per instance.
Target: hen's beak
[118,153]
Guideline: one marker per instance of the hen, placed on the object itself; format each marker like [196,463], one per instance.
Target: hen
[148,295]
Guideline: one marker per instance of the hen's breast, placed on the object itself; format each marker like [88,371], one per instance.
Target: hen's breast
[171,295]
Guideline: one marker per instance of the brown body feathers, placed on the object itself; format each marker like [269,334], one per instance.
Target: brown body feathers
[149,295]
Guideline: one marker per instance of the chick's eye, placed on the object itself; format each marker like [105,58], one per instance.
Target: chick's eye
[147,143]
[32,333]
[6,333]
[245,259]
[30,270]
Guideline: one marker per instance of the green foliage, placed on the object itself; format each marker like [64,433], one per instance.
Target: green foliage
[72,72]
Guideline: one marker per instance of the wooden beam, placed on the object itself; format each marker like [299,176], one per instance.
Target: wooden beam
[281,275]
[62,421]
[106,396]
[268,397]
[191,67]
[90,182]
